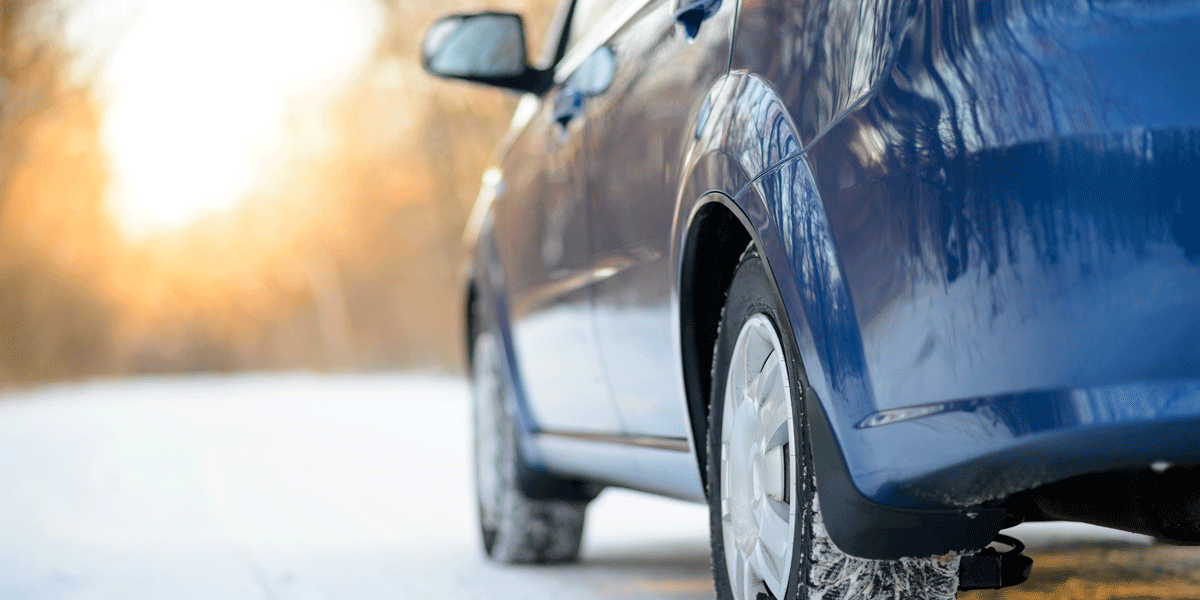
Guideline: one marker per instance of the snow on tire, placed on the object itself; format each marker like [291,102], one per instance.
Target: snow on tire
[835,575]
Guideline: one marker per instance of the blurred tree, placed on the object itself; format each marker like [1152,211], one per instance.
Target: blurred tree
[54,317]
[453,131]
[347,257]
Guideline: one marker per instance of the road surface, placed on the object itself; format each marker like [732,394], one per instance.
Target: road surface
[282,487]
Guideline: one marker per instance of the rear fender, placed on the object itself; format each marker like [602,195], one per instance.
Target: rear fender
[748,130]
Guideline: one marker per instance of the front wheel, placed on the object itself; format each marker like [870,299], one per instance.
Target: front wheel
[515,528]
[768,539]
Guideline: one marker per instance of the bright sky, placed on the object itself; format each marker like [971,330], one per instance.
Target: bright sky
[199,93]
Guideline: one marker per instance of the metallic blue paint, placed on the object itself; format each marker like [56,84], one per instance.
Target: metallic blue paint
[1007,209]
[982,217]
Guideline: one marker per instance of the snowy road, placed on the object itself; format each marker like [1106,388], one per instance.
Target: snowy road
[292,487]
[305,487]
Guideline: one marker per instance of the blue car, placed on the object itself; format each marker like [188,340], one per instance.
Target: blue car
[874,279]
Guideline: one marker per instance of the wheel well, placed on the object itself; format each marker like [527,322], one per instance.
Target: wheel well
[470,320]
[715,241]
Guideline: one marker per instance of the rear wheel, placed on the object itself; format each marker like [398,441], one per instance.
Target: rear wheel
[768,539]
[515,528]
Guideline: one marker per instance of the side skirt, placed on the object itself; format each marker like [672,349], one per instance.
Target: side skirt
[664,466]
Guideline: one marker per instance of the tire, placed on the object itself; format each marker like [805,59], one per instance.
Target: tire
[515,529]
[768,539]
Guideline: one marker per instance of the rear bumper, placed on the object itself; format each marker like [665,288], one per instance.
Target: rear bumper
[971,451]
[926,483]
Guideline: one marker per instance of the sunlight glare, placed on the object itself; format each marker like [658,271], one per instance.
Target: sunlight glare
[199,96]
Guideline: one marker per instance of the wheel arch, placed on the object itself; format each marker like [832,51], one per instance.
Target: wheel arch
[746,171]
[743,138]
[715,238]
[747,179]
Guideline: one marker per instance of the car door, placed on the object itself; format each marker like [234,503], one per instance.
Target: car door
[543,240]
[637,133]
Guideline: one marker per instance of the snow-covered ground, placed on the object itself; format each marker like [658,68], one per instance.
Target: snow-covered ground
[281,487]
[299,487]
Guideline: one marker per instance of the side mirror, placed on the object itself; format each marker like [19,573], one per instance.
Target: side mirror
[487,48]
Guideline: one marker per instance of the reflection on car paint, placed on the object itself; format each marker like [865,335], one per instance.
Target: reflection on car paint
[1006,208]
[977,213]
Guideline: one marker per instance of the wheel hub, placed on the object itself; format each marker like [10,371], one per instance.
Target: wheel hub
[758,464]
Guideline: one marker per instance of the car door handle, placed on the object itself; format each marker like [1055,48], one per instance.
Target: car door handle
[568,106]
[692,14]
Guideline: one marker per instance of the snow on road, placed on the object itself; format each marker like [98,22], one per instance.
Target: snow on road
[285,487]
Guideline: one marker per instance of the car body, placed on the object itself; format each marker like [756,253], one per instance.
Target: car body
[981,217]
